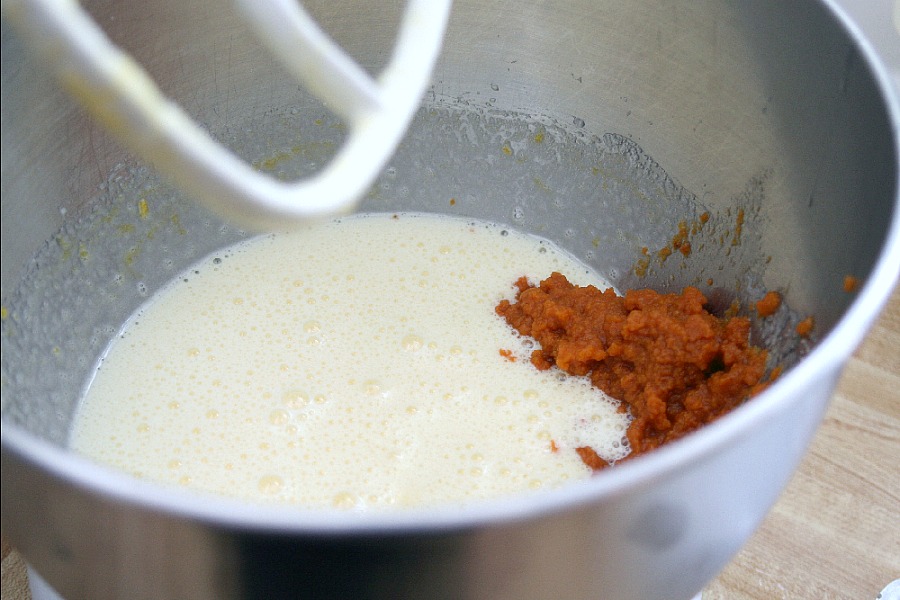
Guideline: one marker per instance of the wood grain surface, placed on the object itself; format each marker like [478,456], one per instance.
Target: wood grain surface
[835,532]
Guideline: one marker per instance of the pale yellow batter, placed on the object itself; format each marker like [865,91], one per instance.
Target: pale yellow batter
[352,364]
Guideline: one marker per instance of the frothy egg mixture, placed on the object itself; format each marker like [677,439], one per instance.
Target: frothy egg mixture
[352,364]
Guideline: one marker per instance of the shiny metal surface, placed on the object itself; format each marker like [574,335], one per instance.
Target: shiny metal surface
[769,107]
[117,92]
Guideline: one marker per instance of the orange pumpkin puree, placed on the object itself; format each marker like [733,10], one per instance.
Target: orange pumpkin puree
[769,304]
[674,365]
[805,327]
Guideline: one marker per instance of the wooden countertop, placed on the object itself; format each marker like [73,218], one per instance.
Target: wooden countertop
[835,532]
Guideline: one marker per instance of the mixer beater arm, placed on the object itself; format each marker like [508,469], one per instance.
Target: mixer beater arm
[116,90]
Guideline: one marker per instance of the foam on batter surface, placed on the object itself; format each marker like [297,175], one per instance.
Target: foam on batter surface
[352,364]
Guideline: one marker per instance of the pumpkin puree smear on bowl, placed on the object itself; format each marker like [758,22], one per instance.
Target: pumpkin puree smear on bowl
[672,364]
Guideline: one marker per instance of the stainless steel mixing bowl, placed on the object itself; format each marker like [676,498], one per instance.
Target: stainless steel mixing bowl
[598,124]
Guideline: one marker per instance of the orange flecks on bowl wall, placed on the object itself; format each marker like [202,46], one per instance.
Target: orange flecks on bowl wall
[769,303]
[805,327]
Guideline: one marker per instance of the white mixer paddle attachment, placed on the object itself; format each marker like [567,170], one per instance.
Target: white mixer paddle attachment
[120,94]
